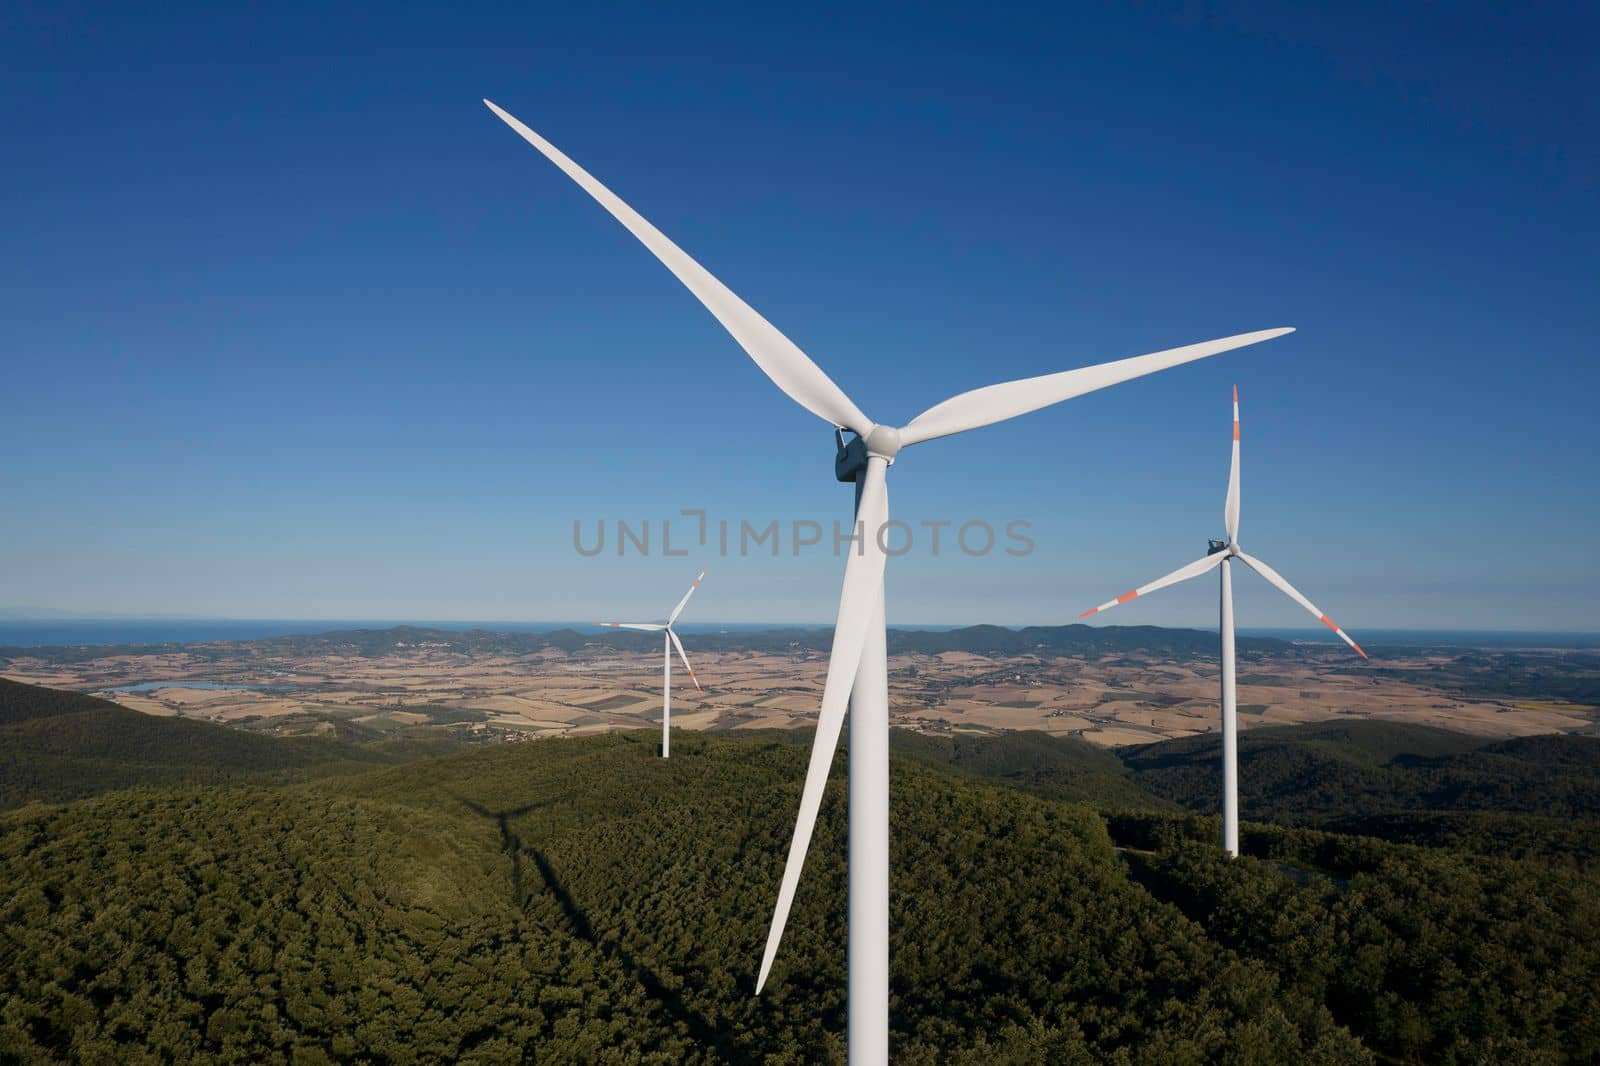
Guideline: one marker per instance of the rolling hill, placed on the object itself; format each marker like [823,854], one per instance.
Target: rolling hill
[977,640]
[57,746]
[1310,773]
[584,901]
[1062,768]
[1532,797]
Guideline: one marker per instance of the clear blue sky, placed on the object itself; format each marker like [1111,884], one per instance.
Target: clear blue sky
[292,326]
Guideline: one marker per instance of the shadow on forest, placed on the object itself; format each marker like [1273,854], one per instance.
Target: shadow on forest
[510,843]
[671,1000]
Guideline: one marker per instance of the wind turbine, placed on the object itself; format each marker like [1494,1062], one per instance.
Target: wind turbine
[857,674]
[668,642]
[1221,554]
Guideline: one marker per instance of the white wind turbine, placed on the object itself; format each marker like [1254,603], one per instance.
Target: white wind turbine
[1222,553]
[668,642]
[857,674]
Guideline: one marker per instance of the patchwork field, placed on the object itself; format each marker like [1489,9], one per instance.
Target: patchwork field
[1115,699]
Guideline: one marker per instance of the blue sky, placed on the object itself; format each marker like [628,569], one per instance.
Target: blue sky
[293,327]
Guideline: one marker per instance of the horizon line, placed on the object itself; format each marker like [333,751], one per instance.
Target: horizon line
[62,617]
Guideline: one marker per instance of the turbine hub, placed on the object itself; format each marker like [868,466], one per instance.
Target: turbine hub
[884,442]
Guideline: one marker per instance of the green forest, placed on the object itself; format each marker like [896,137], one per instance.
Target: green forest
[181,892]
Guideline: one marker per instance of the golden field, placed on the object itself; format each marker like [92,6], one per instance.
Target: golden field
[1115,700]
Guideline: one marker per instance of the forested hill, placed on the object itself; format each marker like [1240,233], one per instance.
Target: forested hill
[586,901]
[1345,768]
[58,746]
[583,900]
[23,703]
[1536,796]
[978,640]
[1063,768]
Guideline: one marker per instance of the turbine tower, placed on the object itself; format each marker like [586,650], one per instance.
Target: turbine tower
[857,674]
[669,641]
[1221,553]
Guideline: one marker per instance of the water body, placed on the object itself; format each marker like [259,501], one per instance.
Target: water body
[54,632]
[71,633]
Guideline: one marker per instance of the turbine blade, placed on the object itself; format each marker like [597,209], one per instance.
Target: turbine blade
[778,357]
[863,589]
[676,643]
[1275,578]
[1230,510]
[996,403]
[1183,573]
[676,611]
[647,627]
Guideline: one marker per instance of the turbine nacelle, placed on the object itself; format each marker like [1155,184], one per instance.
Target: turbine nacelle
[851,458]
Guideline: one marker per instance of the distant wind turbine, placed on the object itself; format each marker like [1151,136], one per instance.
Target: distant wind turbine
[1222,553]
[668,642]
[858,660]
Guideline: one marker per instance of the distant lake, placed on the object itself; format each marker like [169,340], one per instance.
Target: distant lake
[57,632]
